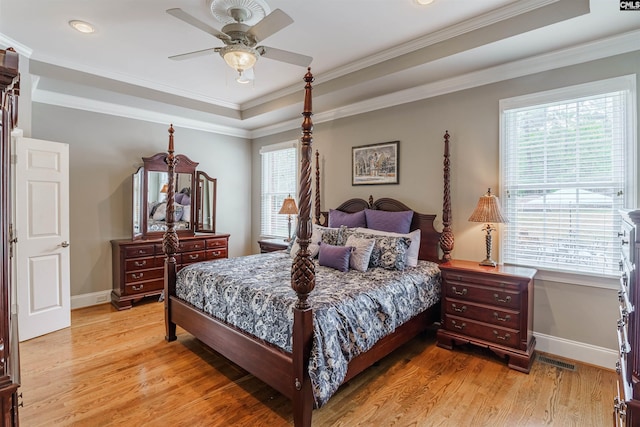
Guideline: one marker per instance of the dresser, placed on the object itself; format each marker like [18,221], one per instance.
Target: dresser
[491,307]
[271,245]
[626,410]
[138,265]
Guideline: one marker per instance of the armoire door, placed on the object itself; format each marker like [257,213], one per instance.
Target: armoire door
[42,230]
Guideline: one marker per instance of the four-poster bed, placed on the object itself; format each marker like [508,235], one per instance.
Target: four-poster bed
[288,370]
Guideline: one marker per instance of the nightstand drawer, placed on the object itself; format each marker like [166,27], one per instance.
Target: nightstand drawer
[482,294]
[471,328]
[504,318]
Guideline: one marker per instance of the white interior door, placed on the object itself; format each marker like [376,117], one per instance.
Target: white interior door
[42,229]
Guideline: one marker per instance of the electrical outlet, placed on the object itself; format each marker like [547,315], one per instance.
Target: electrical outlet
[101,298]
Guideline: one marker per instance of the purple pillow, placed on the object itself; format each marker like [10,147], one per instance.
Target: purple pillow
[186,200]
[394,222]
[353,220]
[178,198]
[335,256]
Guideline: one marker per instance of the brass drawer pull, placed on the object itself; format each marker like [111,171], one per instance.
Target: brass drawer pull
[137,288]
[505,337]
[194,256]
[140,263]
[216,253]
[459,309]
[498,299]
[455,325]
[455,291]
[502,319]
[137,275]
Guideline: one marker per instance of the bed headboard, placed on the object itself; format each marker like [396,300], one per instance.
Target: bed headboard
[429,237]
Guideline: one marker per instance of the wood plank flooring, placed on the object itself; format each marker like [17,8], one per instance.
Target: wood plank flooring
[115,369]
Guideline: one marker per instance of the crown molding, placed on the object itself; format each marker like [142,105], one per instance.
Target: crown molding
[80,103]
[616,45]
[23,50]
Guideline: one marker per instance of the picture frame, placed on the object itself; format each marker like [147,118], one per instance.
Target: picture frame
[375,164]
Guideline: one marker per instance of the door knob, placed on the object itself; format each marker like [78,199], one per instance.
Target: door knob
[64,244]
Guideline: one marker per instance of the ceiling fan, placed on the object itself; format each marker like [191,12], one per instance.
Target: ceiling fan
[241,49]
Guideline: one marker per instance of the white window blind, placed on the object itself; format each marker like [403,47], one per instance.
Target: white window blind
[565,175]
[279,180]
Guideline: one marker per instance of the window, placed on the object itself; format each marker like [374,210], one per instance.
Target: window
[279,180]
[568,164]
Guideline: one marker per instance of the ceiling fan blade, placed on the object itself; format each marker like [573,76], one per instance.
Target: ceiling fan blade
[285,56]
[185,17]
[270,24]
[192,54]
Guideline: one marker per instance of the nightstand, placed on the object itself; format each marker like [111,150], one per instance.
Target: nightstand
[491,307]
[270,245]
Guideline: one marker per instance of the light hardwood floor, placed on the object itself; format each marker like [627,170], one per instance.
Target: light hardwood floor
[115,369]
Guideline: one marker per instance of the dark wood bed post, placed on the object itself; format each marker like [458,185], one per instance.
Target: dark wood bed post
[316,209]
[446,239]
[303,278]
[170,244]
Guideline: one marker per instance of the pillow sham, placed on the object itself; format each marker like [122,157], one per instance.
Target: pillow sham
[338,218]
[160,212]
[361,253]
[389,252]
[394,222]
[332,236]
[336,257]
[414,248]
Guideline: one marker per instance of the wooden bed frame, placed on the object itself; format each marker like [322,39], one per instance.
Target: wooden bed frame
[287,372]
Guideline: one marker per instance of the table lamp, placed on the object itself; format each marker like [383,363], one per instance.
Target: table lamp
[289,208]
[488,211]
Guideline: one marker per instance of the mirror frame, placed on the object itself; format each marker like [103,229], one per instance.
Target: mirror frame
[157,163]
[201,179]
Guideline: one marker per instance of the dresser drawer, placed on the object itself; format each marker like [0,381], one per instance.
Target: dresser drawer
[191,257]
[143,263]
[216,253]
[142,275]
[498,297]
[504,318]
[139,251]
[483,331]
[216,243]
[192,245]
[144,287]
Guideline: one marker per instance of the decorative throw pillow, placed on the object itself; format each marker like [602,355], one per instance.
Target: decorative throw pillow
[178,211]
[186,212]
[389,252]
[338,218]
[336,257]
[361,252]
[332,236]
[178,198]
[395,222]
[414,248]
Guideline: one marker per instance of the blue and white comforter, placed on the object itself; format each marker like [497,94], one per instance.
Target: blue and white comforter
[351,310]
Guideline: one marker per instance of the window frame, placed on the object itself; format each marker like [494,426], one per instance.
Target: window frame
[622,83]
[270,149]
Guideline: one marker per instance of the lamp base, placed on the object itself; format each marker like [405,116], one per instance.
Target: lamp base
[489,263]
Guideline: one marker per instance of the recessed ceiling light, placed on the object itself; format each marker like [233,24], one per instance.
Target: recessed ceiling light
[83,27]
[424,2]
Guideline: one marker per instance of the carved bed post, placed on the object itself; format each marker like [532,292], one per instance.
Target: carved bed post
[317,195]
[446,239]
[170,243]
[303,275]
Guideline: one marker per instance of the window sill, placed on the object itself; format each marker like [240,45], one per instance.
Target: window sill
[593,280]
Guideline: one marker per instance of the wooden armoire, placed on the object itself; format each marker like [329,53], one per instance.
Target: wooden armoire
[9,359]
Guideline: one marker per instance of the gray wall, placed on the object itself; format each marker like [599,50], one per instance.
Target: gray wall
[104,152]
[572,312]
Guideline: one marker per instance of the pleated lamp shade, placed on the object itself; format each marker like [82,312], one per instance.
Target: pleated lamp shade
[488,210]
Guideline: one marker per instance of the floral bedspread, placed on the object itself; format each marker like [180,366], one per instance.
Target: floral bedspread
[351,310]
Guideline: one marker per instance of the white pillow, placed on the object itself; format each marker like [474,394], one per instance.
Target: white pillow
[414,247]
[361,253]
[186,213]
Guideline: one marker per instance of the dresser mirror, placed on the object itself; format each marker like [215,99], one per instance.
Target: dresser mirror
[194,210]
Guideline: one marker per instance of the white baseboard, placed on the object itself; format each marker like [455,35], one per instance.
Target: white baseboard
[87,300]
[581,352]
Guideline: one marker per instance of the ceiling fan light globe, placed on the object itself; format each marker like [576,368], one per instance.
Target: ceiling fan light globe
[239,58]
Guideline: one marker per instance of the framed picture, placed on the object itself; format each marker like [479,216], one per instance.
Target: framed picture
[375,164]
